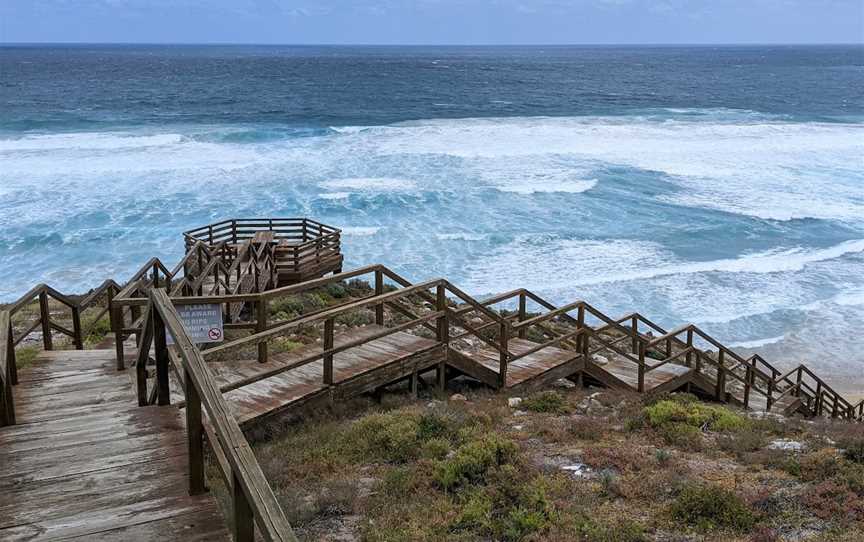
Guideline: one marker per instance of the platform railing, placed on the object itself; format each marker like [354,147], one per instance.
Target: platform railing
[253,500]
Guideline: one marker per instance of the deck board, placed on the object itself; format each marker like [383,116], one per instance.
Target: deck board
[526,368]
[85,462]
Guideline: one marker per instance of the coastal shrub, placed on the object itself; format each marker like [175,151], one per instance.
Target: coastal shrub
[547,401]
[711,507]
[681,435]
[741,442]
[386,437]
[472,461]
[284,344]
[288,307]
[358,287]
[853,449]
[695,414]
[355,318]
[336,290]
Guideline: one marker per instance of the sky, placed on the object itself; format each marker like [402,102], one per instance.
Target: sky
[433,22]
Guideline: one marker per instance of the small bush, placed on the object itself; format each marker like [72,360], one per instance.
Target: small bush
[336,290]
[682,436]
[289,307]
[355,318]
[98,330]
[436,448]
[663,457]
[473,460]
[709,507]
[742,442]
[853,450]
[284,344]
[546,401]
[695,414]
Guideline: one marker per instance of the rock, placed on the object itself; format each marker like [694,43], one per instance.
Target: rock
[597,359]
[564,383]
[579,470]
[458,397]
[514,402]
[520,413]
[786,445]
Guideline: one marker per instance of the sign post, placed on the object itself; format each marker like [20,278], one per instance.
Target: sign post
[202,322]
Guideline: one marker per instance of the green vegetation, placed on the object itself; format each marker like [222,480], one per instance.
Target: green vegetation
[710,507]
[546,401]
[97,330]
[25,356]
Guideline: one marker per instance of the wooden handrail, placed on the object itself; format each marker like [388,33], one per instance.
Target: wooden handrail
[252,495]
[8,370]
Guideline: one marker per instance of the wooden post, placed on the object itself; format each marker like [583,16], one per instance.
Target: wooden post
[640,384]
[160,344]
[443,335]
[748,379]
[503,340]
[770,400]
[634,326]
[689,346]
[580,324]
[414,381]
[798,383]
[77,337]
[818,406]
[522,314]
[261,325]
[7,403]
[195,436]
[328,345]
[244,524]
[720,390]
[379,289]
[117,326]
[45,313]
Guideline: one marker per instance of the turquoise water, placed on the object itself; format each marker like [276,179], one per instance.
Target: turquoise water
[723,186]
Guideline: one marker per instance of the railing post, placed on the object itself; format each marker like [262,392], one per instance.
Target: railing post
[7,403]
[834,407]
[244,524]
[770,400]
[45,313]
[689,347]
[522,313]
[748,378]
[77,337]
[634,326]
[720,390]
[328,345]
[798,384]
[443,334]
[379,290]
[581,338]
[195,436]
[640,385]
[503,340]
[818,406]
[117,325]
[261,325]
[163,391]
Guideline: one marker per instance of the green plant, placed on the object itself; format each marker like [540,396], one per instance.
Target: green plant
[853,449]
[25,356]
[473,460]
[711,507]
[546,401]
[695,414]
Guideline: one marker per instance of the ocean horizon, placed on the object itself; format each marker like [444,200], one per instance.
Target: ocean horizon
[716,184]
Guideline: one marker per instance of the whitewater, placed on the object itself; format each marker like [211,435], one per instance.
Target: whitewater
[747,222]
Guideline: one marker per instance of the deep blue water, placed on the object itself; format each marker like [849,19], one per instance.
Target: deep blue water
[720,185]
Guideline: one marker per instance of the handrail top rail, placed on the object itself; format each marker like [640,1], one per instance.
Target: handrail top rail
[277,330]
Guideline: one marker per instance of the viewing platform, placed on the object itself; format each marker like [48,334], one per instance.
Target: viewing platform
[301,248]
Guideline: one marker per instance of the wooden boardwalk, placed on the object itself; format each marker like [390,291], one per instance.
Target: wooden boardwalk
[86,462]
[358,370]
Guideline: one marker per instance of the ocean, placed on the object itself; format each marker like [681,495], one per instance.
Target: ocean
[717,185]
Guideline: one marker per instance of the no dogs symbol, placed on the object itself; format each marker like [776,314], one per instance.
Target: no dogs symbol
[215,334]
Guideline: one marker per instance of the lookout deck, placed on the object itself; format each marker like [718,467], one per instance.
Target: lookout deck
[84,462]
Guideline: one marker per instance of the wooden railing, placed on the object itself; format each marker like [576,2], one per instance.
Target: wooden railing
[253,500]
[8,370]
[299,244]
